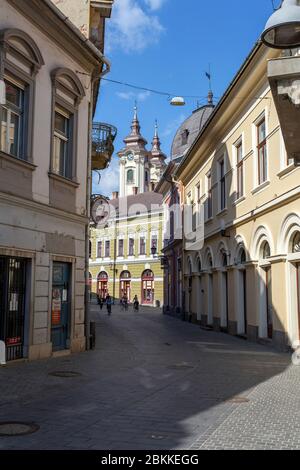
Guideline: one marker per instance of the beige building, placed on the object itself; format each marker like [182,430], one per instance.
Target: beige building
[245,280]
[50,74]
[125,250]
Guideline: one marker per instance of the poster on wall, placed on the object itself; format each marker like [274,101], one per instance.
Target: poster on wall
[56,306]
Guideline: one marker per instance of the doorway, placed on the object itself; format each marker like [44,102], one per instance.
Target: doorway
[61,306]
[147,287]
[12,305]
[125,285]
[102,285]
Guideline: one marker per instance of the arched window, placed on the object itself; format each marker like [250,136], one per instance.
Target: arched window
[67,95]
[125,285]
[147,287]
[130,177]
[296,243]
[243,257]
[21,60]
[265,250]
[224,259]
[125,275]
[102,282]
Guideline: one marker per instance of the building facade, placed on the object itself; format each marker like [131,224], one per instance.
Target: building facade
[50,72]
[244,278]
[125,251]
[172,193]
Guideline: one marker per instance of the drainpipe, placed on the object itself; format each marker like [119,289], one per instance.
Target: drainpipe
[89,183]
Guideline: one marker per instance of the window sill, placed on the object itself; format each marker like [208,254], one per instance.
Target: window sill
[222,212]
[239,200]
[18,161]
[207,221]
[286,170]
[261,187]
[63,180]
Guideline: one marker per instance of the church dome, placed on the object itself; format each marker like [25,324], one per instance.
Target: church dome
[189,130]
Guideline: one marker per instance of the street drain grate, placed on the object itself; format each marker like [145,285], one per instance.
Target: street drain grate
[65,373]
[10,429]
[182,365]
[238,400]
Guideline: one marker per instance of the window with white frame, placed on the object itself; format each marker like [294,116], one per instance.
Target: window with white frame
[142,245]
[68,93]
[209,202]
[12,122]
[99,249]
[239,170]
[131,246]
[222,185]
[198,192]
[107,249]
[261,151]
[121,247]
[21,61]
[154,243]
[62,145]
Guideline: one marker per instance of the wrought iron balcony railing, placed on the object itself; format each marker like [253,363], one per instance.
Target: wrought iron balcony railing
[103,136]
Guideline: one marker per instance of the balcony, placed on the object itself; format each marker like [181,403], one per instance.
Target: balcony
[103,136]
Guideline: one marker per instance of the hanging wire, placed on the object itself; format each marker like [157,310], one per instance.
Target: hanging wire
[150,90]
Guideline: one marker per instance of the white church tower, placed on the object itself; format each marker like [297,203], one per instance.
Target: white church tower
[140,169]
[134,162]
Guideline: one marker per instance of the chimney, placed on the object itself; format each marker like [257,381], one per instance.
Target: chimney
[115,194]
[135,190]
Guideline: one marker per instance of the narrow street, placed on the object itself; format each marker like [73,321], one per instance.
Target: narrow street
[155,382]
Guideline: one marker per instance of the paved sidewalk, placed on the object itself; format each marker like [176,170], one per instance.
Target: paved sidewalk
[155,382]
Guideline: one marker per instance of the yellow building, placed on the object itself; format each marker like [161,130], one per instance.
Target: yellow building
[125,249]
[245,279]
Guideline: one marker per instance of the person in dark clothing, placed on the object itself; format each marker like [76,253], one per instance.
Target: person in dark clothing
[100,303]
[108,304]
[136,303]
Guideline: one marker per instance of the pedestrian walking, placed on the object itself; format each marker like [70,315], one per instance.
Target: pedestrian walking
[136,303]
[101,303]
[124,302]
[108,304]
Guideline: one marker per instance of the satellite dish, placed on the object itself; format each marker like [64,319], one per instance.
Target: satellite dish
[177,101]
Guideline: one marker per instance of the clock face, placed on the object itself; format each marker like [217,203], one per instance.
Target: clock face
[130,157]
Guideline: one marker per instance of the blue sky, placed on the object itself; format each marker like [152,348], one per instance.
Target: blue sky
[167,45]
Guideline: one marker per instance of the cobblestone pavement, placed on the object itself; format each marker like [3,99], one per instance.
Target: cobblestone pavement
[155,382]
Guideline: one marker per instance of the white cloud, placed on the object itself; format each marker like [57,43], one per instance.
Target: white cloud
[154,4]
[109,181]
[131,96]
[174,125]
[131,27]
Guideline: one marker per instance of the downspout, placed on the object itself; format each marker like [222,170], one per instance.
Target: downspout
[92,106]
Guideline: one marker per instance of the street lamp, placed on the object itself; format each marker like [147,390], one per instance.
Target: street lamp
[282,30]
[177,101]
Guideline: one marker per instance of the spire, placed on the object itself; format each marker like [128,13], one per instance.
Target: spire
[135,126]
[156,151]
[156,142]
[135,136]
